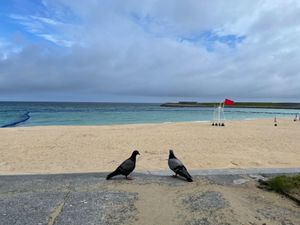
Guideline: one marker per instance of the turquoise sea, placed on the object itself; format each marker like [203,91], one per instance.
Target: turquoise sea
[67,113]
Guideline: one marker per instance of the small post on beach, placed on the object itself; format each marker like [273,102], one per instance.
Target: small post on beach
[275,122]
[296,117]
[218,120]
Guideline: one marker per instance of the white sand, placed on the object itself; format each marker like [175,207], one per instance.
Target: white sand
[69,149]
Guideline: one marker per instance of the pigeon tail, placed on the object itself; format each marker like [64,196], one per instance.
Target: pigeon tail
[115,173]
[189,179]
[184,173]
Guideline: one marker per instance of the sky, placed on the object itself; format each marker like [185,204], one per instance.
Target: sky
[149,51]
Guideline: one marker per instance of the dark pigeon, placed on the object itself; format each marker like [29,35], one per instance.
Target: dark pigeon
[126,167]
[177,166]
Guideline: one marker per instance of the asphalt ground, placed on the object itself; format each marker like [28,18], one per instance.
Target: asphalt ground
[219,196]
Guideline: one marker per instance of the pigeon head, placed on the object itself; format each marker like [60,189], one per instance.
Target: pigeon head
[135,152]
[171,154]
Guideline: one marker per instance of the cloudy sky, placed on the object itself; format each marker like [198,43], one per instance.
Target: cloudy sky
[149,51]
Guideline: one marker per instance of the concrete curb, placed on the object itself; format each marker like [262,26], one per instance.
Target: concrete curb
[200,172]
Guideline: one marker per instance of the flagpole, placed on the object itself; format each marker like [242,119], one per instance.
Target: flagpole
[214,116]
[223,112]
[223,124]
[219,114]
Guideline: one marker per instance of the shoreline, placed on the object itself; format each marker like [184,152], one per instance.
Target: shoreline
[156,123]
[75,149]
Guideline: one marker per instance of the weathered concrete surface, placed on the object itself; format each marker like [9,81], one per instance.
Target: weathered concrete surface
[148,199]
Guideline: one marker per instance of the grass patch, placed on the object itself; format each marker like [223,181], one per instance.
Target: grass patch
[286,185]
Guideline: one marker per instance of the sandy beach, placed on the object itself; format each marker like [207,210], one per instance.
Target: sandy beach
[72,149]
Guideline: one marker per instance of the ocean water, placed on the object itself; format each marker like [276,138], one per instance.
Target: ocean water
[48,113]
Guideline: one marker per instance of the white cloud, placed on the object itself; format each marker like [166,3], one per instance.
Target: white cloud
[46,20]
[47,28]
[8,48]
[56,40]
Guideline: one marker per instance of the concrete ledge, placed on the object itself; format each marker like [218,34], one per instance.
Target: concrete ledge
[200,172]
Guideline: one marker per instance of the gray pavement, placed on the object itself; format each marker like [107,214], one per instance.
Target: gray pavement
[216,197]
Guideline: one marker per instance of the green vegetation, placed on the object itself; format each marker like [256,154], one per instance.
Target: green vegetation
[271,105]
[286,185]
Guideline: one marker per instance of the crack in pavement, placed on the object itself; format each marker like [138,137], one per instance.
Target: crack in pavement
[57,210]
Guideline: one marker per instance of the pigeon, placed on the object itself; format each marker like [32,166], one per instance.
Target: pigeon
[126,167]
[177,166]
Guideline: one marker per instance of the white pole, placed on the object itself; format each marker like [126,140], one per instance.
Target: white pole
[219,114]
[223,113]
[214,115]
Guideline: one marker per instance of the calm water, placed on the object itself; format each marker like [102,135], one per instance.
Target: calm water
[44,114]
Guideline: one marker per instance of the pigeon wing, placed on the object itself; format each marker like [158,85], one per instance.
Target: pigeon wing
[126,167]
[177,166]
[174,163]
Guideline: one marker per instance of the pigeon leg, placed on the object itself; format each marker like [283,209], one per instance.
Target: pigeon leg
[175,176]
[128,178]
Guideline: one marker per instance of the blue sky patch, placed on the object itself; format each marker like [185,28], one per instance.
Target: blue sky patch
[36,21]
[208,39]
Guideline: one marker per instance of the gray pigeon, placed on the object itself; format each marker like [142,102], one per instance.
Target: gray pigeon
[126,167]
[177,166]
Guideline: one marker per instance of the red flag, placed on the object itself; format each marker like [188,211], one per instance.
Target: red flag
[228,102]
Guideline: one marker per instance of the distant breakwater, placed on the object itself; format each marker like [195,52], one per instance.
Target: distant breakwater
[23,118]
[257,105]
